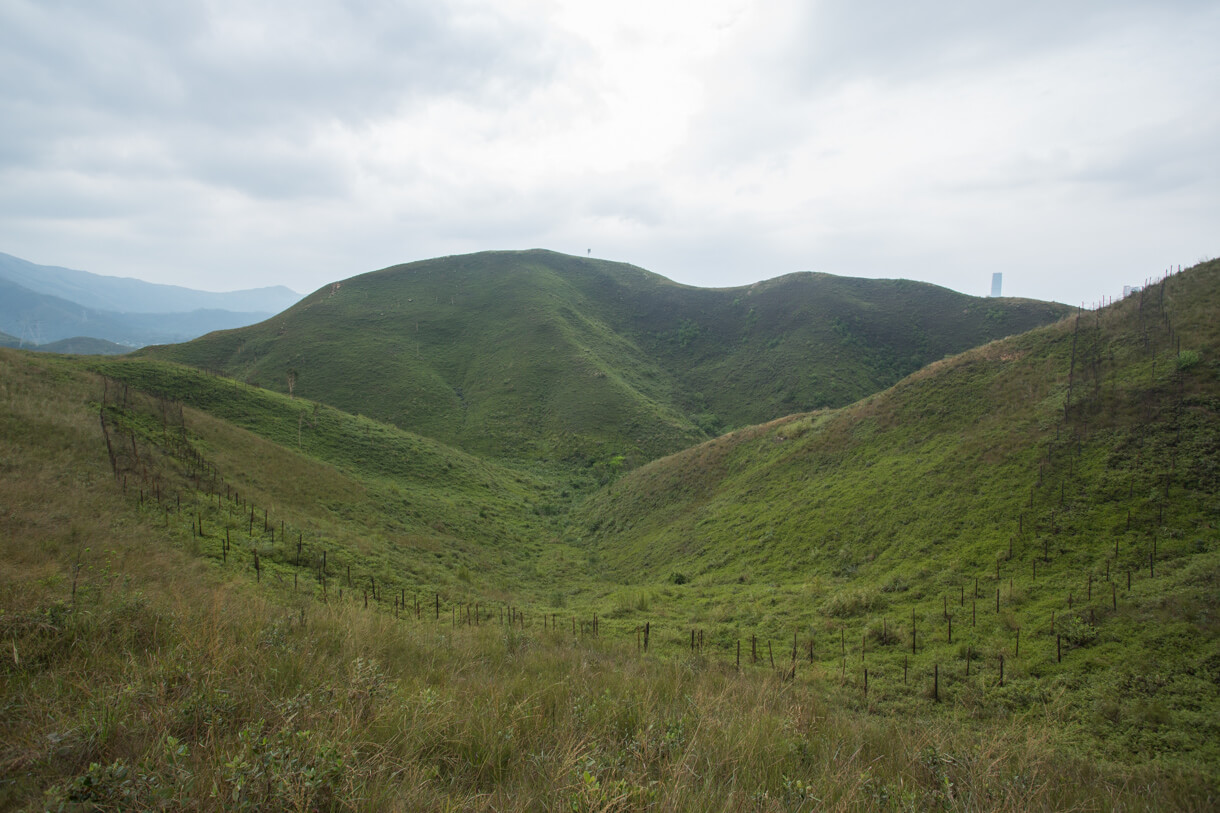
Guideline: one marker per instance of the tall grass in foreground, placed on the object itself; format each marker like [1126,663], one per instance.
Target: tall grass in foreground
[186,694]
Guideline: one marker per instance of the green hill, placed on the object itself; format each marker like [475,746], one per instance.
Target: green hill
[85,346]
[79,345]
[1059,486]
[537,355]
[409,510]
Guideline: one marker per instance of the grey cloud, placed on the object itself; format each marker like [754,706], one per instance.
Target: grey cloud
[265,168]
[640,201]
[202,137]
[196,78]
[1157,167]
[836,40]
[1149,165]
[259,64]
[36,200]
[764,97]
[79,56]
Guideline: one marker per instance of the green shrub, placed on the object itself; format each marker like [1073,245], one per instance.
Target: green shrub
[283,768]
[1188,359]
[1076,631]
[847,603]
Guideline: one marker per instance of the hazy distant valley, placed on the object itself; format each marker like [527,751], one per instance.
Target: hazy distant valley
[61,310]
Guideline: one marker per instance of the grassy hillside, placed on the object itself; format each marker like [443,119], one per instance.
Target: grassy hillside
[85,346]
[410,511]
[146,666]
[803,341]
[78,345]
[537,355]
[1051,498]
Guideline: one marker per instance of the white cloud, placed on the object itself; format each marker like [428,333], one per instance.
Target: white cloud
[220,144]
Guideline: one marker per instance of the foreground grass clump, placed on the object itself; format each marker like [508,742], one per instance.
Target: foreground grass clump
[190,694]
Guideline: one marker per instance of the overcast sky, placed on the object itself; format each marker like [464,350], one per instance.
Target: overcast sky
[1074,146]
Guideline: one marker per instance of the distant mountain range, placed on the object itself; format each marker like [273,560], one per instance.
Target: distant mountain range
[41,305]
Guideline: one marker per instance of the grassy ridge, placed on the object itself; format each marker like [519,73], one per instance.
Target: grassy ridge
[473,351]
[802,341]
[412,512]
[540,355]
[903,508]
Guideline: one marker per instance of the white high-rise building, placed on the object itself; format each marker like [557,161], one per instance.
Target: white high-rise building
[997,280]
